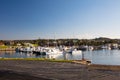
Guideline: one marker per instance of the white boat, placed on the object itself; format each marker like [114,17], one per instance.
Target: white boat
[75,51]
[54,53]
[72,50]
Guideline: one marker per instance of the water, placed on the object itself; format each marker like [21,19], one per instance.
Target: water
[108,57]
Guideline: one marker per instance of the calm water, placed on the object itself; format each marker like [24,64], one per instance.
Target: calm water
[109,57]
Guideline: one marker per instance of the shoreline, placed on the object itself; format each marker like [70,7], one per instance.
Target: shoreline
[79,62]
[47,70]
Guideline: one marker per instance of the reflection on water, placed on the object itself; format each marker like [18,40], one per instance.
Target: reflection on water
[68,56]
[6,53]
[109,57]
[12,54]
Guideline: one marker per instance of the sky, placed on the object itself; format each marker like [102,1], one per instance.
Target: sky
[82,19]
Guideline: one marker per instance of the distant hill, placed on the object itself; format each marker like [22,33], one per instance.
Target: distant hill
[102,38]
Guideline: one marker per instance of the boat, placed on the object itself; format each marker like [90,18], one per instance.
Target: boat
[75,51]
[39,51]
[24,49]
[72,50]
[54,53]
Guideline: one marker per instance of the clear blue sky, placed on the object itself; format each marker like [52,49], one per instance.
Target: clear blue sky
[32,19]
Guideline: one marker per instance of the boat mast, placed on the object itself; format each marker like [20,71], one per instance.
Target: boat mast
[55,43]
[48,42]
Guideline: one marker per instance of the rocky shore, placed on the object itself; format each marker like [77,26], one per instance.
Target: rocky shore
[44,70]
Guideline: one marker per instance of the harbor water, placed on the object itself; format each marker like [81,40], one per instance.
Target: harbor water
[107,57]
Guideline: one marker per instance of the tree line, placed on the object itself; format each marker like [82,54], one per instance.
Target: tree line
[65,42]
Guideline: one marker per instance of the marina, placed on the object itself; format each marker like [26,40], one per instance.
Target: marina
[60,40]
[105,57]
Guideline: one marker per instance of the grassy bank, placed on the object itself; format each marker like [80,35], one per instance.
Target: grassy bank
[85,62]
[3,47]
[38,59]
[7,48]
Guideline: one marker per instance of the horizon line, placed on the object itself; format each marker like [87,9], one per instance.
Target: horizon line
[56,38]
